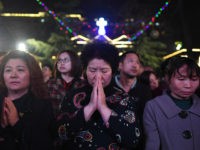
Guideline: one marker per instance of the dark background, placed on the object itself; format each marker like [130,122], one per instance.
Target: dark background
[180,21]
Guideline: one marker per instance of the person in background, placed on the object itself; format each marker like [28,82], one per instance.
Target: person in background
[172,120]
[67,73]
[47,71]
[130,87]
[97,116]
[27,121]
[150,79]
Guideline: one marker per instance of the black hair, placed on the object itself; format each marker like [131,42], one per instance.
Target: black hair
[145,77]
[176,63]
[76,68]
[100,50]
[47,64]
[123,56]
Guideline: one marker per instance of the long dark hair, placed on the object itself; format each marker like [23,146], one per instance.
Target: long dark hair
[37,85]
[76,68]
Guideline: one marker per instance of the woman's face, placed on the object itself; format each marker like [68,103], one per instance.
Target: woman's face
[46,71]
[98,67]
[181,85]
[16,76]
[64,63]
[154,83]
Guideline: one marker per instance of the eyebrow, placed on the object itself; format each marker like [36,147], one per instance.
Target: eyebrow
[8,66]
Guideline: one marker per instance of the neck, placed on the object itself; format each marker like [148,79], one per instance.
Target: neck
[126,83]
[179,97]
[67,78]
[16,94]
[46,79]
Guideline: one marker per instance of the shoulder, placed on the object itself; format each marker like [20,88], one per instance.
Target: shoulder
[160,102]
[158,99]
[79,83]
[39,103]
[54,81]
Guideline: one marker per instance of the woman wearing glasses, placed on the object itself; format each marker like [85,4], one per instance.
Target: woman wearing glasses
[67,72]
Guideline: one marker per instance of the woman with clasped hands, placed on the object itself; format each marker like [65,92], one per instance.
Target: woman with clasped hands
[97,116]
[27,121]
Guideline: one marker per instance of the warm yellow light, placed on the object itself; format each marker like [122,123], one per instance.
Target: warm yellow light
[53,57]
[80,37]
[174,54]
[120,53]
[79,53]
[75,16]
[119,38]
[121,42]
[196,50]
[81,42]
[39,14]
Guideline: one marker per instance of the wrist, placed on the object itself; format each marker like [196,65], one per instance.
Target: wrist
[105,113]
[88,111]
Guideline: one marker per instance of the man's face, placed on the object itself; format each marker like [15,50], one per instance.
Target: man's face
[130,66]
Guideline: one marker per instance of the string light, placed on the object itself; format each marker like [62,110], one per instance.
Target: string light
[56,18]
[150,23]
[134,37]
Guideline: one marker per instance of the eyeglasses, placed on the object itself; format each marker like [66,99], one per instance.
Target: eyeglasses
[65,60]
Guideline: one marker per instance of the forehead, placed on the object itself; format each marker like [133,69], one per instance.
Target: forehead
[132,56]
[64,54]
[185,70]
[100,63]
[15,62]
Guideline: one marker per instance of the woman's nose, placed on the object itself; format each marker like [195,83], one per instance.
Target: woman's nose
[98,75]
[188,83]
[13,74]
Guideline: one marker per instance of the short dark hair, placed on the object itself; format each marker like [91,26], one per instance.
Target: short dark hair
[123,56]
[47,64]
[76,68]
[145,77]
[100,50]
[176,63]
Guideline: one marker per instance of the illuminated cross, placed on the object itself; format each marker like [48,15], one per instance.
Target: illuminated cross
[101,23]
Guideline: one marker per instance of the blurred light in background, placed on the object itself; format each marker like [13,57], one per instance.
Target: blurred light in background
[21,46]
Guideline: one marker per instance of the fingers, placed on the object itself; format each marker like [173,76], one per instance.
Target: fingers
[4,120]
[10,112]
[101,95]
[9,105]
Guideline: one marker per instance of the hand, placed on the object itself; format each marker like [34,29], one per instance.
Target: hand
[102,107]
[92,106]
[4,120]
[10,112]
[101,98]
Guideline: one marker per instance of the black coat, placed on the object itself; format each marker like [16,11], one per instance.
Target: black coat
[34,130]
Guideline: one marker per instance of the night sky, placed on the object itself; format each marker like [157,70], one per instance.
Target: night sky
[183,15]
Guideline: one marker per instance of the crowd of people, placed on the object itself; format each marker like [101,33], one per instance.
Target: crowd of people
[98,101]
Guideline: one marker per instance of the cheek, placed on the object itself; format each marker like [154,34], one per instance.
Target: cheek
[68,65]
[6,78]
[174,86]
[27,80]
[106,79]
[25,77]
[89,76]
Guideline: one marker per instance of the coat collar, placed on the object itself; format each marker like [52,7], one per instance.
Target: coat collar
[171,110]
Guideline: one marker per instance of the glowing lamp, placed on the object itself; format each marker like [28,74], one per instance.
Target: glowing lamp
[101,23]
